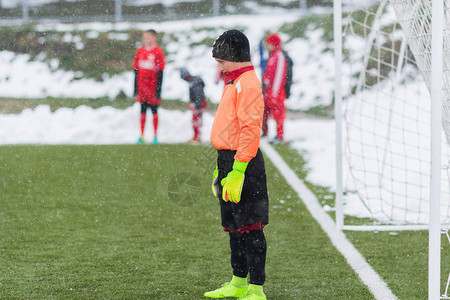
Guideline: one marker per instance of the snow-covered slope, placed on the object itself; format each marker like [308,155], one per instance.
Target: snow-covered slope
[313,64]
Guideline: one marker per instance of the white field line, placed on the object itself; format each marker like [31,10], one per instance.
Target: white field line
[368,276]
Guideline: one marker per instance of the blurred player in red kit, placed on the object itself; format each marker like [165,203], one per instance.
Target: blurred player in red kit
[274,81]
[148,64]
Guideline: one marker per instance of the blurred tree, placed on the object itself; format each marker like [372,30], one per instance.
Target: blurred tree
[60,7]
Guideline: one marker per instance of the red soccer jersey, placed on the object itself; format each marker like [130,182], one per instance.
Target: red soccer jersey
[148,63]
[274,77]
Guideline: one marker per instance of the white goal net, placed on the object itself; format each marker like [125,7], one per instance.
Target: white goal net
[386,112]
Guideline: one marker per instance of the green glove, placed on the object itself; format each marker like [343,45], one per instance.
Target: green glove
[233,183]
[215,183]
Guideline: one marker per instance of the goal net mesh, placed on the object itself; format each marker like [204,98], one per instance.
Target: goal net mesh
[386,115]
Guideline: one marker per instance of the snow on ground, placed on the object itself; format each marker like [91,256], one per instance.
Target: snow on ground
[313,138]
[313,66]
[107,125]
[22,78]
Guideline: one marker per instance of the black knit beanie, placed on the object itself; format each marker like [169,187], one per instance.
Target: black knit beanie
[232,45]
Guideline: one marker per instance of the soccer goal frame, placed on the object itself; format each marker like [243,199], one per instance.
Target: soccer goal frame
[436,97]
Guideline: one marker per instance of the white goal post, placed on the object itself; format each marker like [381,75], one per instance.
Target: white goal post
[392,98]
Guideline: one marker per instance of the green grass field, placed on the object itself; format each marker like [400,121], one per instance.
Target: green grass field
[139,222]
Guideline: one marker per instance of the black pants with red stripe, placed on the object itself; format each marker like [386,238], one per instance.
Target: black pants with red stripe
[248,255]
[254,204]
[248,249]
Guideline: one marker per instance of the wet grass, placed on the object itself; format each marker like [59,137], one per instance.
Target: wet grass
[138,222]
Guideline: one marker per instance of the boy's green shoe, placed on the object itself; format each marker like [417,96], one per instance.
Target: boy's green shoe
[254,292]
[228,290]
[140,140]
[155,140]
